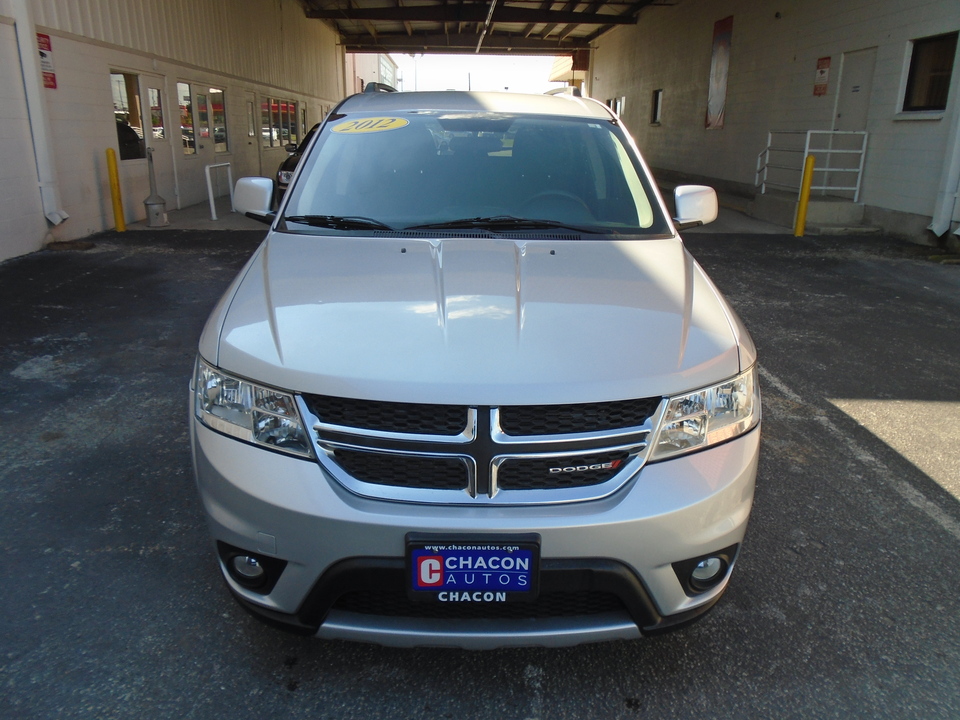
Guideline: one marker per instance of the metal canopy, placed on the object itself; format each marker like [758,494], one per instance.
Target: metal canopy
[528,27]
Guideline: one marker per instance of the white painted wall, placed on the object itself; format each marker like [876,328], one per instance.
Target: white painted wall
[772,69]
[22,225]
[264,47]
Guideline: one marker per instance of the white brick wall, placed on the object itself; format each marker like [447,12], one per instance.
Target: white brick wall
[22,225]
[266,47]
[772,68]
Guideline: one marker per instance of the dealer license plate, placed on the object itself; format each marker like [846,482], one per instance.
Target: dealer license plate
[473,569]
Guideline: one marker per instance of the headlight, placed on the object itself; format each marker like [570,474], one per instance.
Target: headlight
[251,412]
[709,416]
[284,177]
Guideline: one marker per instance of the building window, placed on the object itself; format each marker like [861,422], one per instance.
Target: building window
[279,122]
[219,120]
[265,130]
[656,106]
[251,120]
[616,104]
[931,67]
[156,114]
[293,134]
[127,115]
[184,99]
[203,118]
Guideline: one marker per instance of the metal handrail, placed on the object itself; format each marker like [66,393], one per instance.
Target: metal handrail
[762,180]
[207,169]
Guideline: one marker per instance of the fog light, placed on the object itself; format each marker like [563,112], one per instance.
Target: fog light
[247,570]
[706,571]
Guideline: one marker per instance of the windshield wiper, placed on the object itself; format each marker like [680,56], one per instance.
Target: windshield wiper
[500,222]
[338,222]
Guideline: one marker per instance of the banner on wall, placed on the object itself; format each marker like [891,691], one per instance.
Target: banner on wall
[719,70]
[46,61]
[823,76]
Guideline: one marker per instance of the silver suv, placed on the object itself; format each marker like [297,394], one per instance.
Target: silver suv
[472,390]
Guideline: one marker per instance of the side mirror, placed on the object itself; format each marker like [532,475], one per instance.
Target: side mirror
[253,196]
[695,204]
[291,148]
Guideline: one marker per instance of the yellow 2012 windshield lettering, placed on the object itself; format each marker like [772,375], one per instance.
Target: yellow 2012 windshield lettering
[370,125]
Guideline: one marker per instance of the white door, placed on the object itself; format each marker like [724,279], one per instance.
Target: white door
[856,84]
[204,141]
[254,153]
[159,132]
[852,112]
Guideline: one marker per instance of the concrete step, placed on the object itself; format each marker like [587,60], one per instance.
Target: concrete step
[822,211]
[812,229]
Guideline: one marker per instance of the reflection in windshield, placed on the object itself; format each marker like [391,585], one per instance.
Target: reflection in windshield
[436,169]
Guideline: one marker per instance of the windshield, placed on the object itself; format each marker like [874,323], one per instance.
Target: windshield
[473,170]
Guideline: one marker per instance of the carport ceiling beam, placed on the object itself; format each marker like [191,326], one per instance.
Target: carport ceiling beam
[633,12]
[473,14]
[461,43]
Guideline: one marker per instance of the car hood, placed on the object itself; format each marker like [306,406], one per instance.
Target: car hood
[475,320]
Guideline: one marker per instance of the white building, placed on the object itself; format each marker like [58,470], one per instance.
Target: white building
[887,67]
[201,82]
[363,68]
[207,82]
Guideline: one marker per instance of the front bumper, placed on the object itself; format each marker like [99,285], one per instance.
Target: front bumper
[279,506]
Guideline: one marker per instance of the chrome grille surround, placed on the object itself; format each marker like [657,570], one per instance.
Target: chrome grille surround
[485,450]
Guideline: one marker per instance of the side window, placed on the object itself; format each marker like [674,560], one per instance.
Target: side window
[184,98]
[127,114]
[156,114]
[266,131]
[931,68]
[279,122]
[251,120]
[276,123]
[219,120]
[203,117]
[616,104]
[656,107]
[293,135]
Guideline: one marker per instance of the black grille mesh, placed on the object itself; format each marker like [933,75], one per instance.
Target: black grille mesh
[389,416]
[534,473]
[519,420]
[548,605]
[441,473]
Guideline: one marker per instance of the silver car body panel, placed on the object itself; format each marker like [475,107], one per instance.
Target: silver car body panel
[685,507]
[464,321]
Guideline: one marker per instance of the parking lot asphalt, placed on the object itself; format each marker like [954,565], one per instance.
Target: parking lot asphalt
[844,603]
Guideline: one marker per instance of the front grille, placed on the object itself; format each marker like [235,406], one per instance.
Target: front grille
[559,472]
[460,454]
[586,417]
[413,418]
[410,471]
[548,605]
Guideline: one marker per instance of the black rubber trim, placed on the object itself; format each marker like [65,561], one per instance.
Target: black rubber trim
[579,574]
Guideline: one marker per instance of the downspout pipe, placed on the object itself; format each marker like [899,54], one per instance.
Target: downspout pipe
[40,128]
[949,184]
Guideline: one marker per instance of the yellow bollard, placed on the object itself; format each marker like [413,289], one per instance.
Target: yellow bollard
[805,184]
[115,190]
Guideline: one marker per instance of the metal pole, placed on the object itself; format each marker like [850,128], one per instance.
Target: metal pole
[114,176]
[801,223]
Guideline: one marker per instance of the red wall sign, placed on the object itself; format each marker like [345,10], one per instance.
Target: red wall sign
[823,76]
[46,61]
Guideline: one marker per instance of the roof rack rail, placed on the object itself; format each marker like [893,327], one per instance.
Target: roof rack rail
[566,90]
[373,87]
